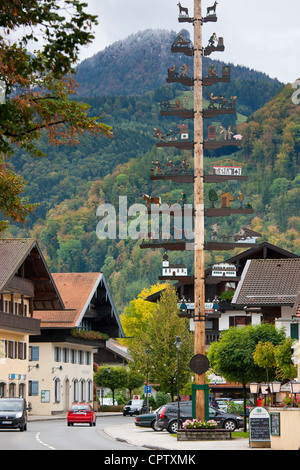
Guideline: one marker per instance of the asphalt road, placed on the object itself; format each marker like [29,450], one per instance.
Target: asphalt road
[56,435]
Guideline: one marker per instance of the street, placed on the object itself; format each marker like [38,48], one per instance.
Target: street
[56,435]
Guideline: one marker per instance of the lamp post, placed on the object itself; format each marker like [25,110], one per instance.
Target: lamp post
[274,388]
[295,388]
[178,345]
[147,394]
[254,389]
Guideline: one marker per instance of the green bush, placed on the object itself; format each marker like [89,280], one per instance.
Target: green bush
[118,408]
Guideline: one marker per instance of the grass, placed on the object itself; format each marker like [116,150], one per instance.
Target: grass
[240,434]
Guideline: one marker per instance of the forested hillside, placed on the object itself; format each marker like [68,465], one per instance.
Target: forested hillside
[139,64]
[70,183]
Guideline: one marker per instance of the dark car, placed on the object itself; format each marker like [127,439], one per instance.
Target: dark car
[237,406]
[148,420]
[13,413]
[134,407]
[81,413]
[166,418]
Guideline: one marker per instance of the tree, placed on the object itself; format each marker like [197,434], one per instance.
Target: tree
[135,317]
[134,380]
[158,335]
[264,356]
[212,196]
[232,355]
[283,357]
[39,86]
[113,378]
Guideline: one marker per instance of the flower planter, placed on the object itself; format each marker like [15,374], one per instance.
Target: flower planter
[203,434]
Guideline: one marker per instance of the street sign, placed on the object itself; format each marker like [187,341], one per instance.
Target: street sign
[136,397]
[147,390]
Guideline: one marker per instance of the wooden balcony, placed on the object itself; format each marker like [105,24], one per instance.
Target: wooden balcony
[26,325]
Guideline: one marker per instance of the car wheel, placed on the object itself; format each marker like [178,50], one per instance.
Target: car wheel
[155,427]
[172,428]
[124,414]
[230,425]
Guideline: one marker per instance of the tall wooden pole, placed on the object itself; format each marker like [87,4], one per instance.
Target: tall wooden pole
[199,289]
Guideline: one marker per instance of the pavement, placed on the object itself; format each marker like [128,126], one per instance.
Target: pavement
[145,437]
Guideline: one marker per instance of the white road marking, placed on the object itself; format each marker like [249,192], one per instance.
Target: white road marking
[37,436]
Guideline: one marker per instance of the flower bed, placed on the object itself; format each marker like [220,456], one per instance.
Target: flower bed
[196,424]
[195,430]
[291,401]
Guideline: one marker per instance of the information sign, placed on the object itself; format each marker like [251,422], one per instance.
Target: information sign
[259,426]
[275,424]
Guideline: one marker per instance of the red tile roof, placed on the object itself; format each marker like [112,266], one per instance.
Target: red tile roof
[76,290]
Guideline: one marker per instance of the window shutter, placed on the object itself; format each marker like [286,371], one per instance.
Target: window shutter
[33,388]
[35,353]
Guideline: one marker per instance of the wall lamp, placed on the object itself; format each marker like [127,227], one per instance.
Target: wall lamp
[33,367]
[56,368]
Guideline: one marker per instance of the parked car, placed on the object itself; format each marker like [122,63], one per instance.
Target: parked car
[237,406]
[148,420]
[223,403]
[108,402]
[13,413]
[166,417]
[81,413]
[134,407]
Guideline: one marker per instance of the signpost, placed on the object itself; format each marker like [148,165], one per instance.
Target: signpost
[147,391]
[259,428]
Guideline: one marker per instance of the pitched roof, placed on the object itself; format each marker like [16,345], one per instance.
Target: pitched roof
[13,251]
[296,308]
[269,282]
[17,252]
[77,291]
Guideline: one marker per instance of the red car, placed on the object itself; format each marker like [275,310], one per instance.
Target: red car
[81,413]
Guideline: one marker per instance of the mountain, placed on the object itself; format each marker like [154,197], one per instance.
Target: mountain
[72,191]
[139,64]
[124,84]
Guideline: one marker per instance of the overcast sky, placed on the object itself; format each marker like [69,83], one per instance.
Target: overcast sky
[260,34]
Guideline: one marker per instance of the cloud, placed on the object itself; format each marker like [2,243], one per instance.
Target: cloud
[263,35]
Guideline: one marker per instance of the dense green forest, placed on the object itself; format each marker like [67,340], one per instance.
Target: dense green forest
[71,182]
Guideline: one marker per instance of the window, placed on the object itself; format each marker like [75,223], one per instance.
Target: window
[22,390]
[57,389]
[12,390]
[82,390]
[73,356]
[65,355]
[57,354]
[80,357]
[33,388]
[88,358]
[90,390]
[12,349]
[2,389]
[34,353]
[75,390]
[22,350]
